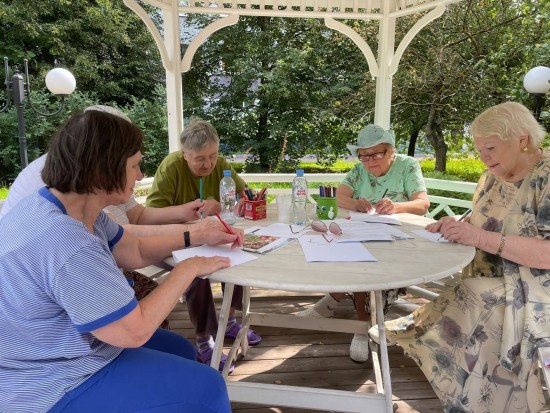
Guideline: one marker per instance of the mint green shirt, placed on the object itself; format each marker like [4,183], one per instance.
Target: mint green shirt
[403,179]
[175,184]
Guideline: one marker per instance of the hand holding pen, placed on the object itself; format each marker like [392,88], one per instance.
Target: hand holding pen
[449,228]
[233,231]
[385,206]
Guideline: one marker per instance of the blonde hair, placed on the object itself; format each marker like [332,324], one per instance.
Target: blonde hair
[508,121]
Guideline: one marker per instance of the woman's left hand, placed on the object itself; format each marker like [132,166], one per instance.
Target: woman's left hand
[239,209]
[210,207]
[385,207]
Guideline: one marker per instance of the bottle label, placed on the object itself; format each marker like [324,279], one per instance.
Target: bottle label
[300,192]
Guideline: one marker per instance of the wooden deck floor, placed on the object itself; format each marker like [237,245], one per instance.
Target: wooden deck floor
[318,359]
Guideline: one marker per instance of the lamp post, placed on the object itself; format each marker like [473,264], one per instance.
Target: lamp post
[536,82]
[59,81]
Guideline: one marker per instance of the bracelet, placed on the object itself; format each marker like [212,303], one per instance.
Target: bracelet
[186,239]
[501,245]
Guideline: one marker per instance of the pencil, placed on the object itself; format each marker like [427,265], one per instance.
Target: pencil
[200,192]
[464,215]
[227,227]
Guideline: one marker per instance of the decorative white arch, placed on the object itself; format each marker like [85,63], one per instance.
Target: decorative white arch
[386,12]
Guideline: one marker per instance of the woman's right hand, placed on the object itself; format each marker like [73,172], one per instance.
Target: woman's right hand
[436,226]
[363,205]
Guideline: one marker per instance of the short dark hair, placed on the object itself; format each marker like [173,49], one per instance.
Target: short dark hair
[89,152]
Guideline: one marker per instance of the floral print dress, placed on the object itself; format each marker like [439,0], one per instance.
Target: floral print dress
[476,342]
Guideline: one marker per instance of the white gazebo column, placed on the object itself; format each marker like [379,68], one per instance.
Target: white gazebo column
[386,44]
[169,48]
[174,90]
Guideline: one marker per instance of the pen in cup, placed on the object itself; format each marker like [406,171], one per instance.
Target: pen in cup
[464,215]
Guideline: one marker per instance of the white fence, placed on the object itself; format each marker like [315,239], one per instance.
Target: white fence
[443,203]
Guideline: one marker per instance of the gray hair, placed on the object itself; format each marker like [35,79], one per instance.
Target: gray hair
[197,135]
[508,121]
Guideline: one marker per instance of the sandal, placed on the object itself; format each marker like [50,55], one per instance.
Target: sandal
[253,338]
[206,356]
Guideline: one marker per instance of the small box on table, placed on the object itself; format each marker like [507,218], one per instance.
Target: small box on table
[255,209]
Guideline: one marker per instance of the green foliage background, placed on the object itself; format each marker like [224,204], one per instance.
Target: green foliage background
[277,88]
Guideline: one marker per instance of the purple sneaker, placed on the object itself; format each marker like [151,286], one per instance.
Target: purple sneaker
[206,356]
[253,338]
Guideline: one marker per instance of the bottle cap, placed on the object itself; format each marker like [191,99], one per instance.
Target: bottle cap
[299,172]
[226,172]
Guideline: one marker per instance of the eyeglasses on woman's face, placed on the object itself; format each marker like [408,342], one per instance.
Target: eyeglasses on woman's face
[374,156]
[320,226]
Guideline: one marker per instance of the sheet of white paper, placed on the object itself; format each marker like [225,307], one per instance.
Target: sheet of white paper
[283,230]
[359,231]
[431,236]
[315,248]
[373,217]
[236,255]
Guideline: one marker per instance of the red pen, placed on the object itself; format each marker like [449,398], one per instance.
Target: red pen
[227,227]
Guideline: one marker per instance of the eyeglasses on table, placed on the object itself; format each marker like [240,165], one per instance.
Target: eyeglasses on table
[320,226]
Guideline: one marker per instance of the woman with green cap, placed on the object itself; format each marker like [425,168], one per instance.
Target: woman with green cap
[383,182]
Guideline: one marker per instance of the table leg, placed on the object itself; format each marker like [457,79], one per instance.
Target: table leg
[386,376]
[222,324]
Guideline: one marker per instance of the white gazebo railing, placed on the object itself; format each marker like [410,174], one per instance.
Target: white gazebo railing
[444,204]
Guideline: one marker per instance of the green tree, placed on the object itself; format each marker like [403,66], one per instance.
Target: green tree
[104,44]
[270,85]
[467,60]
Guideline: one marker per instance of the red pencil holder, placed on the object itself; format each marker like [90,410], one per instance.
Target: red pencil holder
[255,209]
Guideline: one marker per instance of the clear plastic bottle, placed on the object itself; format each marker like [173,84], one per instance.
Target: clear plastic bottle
[228,198]
[299,198]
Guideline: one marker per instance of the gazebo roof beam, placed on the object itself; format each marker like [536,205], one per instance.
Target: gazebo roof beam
[344,9]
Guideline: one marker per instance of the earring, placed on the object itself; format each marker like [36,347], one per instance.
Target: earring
[524,149]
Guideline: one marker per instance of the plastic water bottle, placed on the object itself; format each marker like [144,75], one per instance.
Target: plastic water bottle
[299,198]
[228,198]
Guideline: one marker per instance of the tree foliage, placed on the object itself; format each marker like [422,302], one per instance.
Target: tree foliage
[270,86]
[276,88]
[104,44]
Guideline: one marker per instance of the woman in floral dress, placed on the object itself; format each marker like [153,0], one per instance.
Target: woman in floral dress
[476,343]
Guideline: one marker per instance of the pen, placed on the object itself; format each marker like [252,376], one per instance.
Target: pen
[200,192]
[385,192]
[464,215]
[227,227]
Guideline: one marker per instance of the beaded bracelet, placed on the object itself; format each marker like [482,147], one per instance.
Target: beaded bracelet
[501,245]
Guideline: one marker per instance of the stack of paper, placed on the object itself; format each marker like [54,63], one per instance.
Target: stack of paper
[374,217]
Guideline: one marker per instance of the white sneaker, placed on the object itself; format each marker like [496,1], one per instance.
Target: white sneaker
[324,308]
[374,334]
[359,348]
[311,312]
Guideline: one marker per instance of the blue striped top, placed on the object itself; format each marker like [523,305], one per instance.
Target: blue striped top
[58,282]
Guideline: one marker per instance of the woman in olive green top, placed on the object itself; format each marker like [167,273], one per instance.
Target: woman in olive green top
[177,181]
